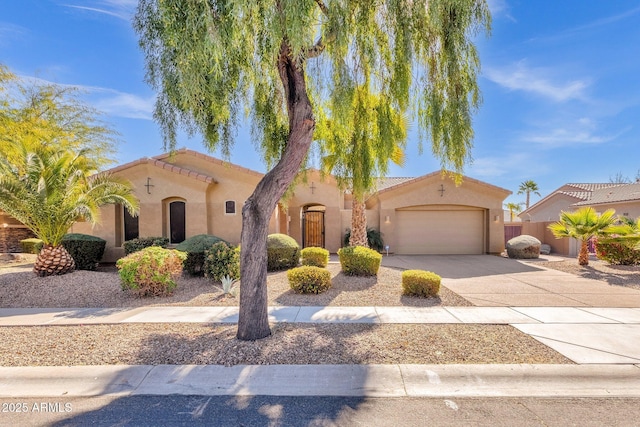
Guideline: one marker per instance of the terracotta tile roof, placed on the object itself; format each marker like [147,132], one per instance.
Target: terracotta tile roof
[614,194]
[589,193]
[384,183]
[592,186]
[582,195]
[167,166]
[209,159]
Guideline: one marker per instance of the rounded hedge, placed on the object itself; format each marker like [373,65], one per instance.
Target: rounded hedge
[317,257]
[283,252]
[31,245]
[309,279]
[359,261]
[195,248]
[151,271]
[86,250]
[221,260]
[420,283]
[139,243]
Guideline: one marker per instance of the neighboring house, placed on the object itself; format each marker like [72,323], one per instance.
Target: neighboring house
[188,193]
[623,198]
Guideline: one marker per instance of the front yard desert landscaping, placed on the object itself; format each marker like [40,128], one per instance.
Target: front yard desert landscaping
[290,343]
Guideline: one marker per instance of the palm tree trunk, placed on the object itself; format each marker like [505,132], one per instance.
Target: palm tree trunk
[358,224]
[583,256]
[53,260]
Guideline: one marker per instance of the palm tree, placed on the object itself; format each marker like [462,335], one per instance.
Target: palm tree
[528,187]
[514,208]
[49,189]
[583,224]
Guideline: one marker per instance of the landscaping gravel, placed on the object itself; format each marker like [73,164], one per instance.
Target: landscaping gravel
[619,275]
[19,287]
[175,343]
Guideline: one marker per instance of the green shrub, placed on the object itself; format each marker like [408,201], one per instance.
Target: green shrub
[317,257]
[151,271]
[31,246]
[420,283]
[85,250]
[283,252]
[359,261]
[134,245]
[195,247]
[617,252]
[309,279]
[374,239]
[222,260]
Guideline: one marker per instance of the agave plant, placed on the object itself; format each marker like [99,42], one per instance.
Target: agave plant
[583,224]
[49,189]
[227,286]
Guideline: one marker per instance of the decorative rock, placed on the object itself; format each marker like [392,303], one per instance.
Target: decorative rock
[545,249]
[523,247]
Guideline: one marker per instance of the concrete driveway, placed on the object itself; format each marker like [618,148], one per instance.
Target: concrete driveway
[490,281]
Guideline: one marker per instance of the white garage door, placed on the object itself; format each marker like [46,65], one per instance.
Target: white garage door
[439,232]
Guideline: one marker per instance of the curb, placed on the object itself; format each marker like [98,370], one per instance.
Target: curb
[521,380]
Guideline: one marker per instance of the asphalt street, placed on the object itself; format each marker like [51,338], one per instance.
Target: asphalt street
[318,411]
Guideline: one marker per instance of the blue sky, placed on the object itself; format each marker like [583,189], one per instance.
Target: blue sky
[560,82]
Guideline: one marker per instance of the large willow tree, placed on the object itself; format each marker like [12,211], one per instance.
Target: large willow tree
[281,60]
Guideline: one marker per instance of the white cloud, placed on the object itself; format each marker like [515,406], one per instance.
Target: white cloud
[10,32]
[579,132]
[127,105]
[500,8]
[537,81]
[509,164]
[121,9]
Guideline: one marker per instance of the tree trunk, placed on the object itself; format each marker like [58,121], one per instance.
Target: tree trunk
[53,260]
[253,322]
[583,256]
[358,224]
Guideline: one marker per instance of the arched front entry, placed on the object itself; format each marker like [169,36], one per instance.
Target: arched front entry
[313,226]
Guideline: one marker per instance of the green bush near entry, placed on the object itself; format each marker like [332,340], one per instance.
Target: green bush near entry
[317,257]
[283,252]
[359,261]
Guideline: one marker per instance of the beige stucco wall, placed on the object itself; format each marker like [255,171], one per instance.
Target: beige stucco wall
[317,191]
[205,203]
[550,209]
[427,191]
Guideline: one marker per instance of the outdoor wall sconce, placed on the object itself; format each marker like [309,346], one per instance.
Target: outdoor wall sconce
[496,218]
[387,220]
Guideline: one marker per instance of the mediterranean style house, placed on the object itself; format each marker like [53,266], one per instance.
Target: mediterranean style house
[186,193]
[623,198]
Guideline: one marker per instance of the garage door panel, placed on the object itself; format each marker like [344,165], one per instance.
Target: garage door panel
[440,232]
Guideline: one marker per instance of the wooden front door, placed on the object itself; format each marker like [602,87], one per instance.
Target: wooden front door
[313,226]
